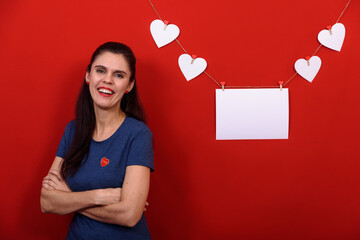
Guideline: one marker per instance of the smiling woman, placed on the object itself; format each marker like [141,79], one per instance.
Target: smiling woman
[102,166]
[109,80]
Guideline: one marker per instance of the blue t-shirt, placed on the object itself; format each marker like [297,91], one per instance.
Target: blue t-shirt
[105,167]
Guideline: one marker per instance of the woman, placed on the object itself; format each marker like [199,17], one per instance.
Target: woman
[102,166]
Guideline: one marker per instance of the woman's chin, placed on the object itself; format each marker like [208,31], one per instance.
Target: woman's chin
[106,106]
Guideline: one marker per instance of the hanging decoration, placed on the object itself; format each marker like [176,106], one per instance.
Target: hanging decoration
[252,114]
[191,66]
[163,32]
[308,67]
[333,37]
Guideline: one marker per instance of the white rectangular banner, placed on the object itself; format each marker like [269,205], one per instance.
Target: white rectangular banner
[252,114]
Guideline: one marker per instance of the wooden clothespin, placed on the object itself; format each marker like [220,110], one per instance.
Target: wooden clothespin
[307,60]
[329,28]
[193,58]
[281,84]
[222,85]
[166,23]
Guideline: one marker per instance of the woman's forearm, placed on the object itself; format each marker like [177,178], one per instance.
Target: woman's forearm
[118,213]
[61,202]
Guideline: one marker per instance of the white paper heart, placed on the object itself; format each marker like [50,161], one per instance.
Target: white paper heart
[308,71]
[162,35]
[335,39]
[191,70]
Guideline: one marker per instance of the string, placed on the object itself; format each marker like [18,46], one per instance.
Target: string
[181,46]
[217,83]
[343,11]
[212,79]
[155,9]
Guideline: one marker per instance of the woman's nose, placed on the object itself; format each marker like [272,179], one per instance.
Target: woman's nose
[108,78]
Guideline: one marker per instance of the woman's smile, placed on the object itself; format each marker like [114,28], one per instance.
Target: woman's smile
[105,92]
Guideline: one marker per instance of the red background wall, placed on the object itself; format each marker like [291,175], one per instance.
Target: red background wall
[306,187]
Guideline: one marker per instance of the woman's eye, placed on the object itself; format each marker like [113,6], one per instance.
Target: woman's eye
[99,71]
[118,75]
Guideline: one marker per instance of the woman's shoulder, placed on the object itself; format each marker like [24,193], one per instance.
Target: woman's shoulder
[70,128]
[137,126]
[71,125]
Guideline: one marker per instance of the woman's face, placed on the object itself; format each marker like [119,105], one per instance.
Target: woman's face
[109,80]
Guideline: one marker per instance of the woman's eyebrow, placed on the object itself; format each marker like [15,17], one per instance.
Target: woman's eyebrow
[120,71]
[116,71]
[101,66]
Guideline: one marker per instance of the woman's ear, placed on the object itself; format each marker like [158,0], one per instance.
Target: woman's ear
[130,86]
[87,75]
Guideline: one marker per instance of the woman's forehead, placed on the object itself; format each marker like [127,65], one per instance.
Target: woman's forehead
[112,61]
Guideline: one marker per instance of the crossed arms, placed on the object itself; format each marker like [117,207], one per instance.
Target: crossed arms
[122,206]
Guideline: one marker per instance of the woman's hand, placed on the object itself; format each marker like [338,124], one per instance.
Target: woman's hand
[107,196]
[54,181]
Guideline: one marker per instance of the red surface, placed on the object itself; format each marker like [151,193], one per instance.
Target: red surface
[306,187]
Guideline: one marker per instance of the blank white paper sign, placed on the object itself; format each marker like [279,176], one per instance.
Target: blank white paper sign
[252,114]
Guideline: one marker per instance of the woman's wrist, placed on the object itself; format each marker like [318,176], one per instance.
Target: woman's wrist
[104,196]
[93,197]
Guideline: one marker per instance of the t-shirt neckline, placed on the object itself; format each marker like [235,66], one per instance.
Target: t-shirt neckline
[112,136]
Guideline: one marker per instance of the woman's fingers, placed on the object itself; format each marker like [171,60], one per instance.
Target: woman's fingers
[53,182]
[52,178]
[47,185]
[146,204]
[56,173]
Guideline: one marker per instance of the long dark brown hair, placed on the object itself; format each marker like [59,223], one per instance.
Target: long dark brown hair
[130,104]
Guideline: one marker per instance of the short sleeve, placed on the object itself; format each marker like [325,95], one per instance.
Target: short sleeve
[65,139]
[141,150]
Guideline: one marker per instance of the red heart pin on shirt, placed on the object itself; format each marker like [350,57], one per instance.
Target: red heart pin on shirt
[104,161]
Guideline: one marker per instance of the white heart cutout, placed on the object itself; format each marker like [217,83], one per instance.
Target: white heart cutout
[335,39]
[163,35]
[308,71]
[191,70]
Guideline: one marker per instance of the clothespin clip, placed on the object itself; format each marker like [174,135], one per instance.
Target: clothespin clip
[166,23]
[222,85]
[329,28]
[281,84]
[193,58]
[307,60]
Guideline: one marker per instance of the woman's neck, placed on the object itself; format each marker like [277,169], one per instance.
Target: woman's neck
[107,122]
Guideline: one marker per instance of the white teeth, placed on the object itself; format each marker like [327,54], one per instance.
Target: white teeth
[102,90]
